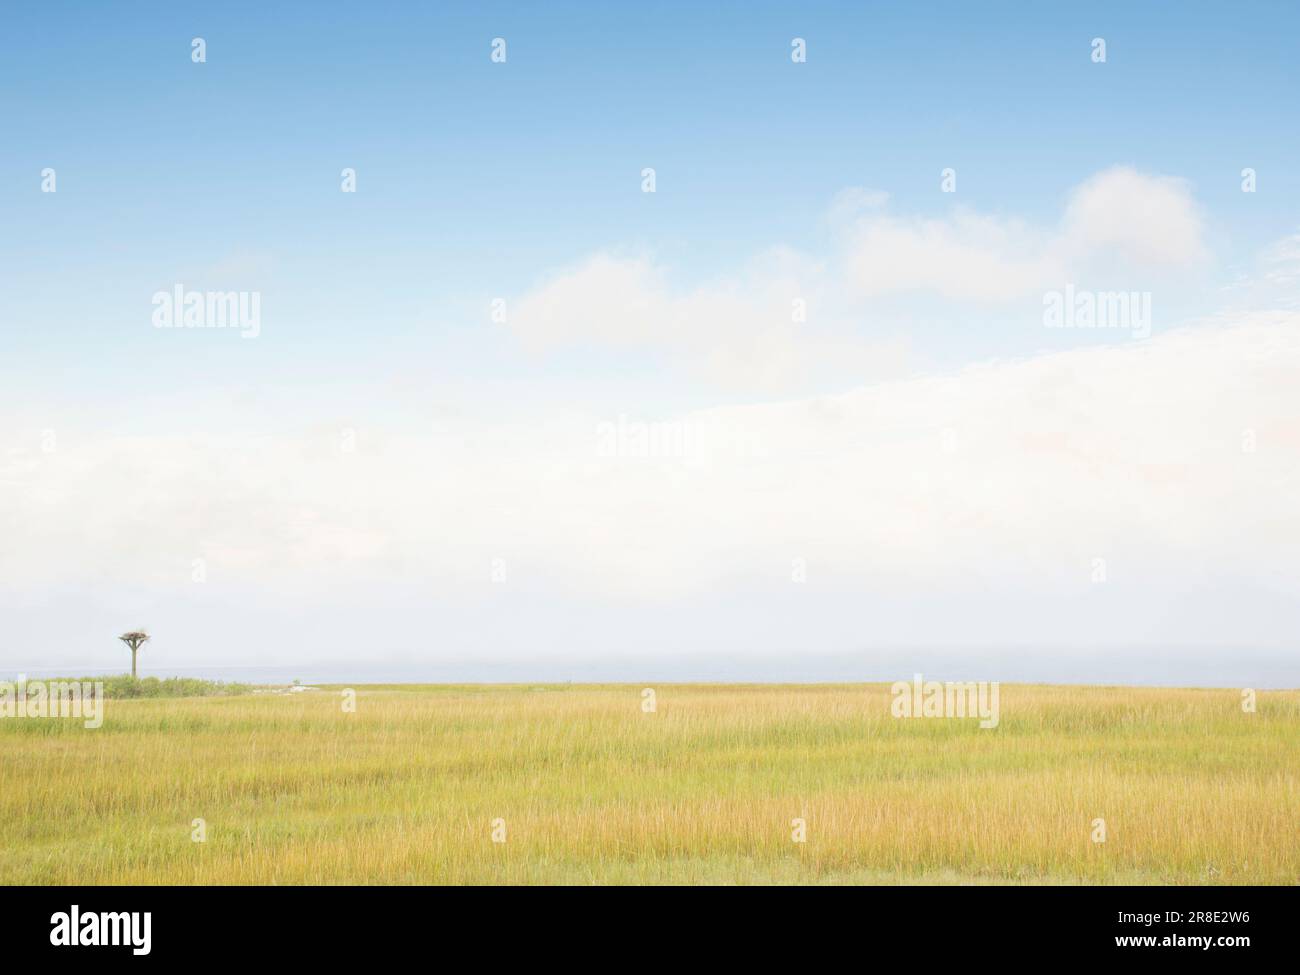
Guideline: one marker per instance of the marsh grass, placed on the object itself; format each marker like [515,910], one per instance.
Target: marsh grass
[592,790]
[125,686]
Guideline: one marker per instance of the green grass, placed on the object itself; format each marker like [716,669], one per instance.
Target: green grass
[124,686]
[293,789]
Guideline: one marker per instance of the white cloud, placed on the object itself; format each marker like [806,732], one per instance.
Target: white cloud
[1013,474]
[967,256]
[1270,282]
[1177,460]
[606,299]
[763,330]
[1150,220]
[1281,261]
[1116,219]
[741,329]
[853,202]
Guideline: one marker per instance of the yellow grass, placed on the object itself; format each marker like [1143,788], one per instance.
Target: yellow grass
[592,790]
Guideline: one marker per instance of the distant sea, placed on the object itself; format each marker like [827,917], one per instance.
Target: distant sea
[1156,668]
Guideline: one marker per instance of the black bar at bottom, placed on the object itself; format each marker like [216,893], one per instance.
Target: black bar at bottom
[333,924]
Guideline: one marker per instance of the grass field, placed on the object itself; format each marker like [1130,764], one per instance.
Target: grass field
[593,790]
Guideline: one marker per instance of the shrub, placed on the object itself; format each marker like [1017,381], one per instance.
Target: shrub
[126,686]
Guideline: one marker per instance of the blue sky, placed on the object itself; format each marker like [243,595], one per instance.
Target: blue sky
[476,178]
[522,181]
